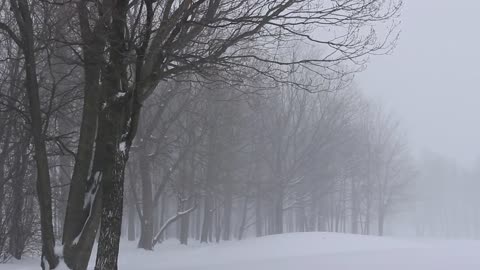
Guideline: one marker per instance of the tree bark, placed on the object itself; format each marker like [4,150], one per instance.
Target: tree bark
[22,12]
[207,219]
[258,213]
[131,219]
[115,156]
[355,207]
[146,233]
[278,213]
[243,221]
[82,217]
[381,222]
[17,235]
[227,213]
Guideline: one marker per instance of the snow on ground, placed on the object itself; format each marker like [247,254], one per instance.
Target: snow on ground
[300,251]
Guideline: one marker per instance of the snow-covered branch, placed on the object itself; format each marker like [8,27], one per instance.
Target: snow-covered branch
[170,221]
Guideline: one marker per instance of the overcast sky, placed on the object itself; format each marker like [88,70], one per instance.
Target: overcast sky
[432,80]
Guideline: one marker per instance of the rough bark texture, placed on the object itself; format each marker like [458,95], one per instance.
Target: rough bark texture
[118,121]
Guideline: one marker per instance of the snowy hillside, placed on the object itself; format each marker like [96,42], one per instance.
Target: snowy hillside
[300,251]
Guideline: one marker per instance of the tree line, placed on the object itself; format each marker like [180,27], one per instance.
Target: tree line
[206,115]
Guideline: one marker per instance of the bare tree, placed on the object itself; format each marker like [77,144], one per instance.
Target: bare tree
[126,49]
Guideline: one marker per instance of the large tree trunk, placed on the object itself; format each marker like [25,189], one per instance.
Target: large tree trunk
[114,121]
[82,216]
[111,222]
[118,122]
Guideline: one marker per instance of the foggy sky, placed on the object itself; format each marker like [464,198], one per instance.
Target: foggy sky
[432,80]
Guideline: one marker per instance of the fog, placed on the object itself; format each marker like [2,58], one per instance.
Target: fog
[430,80]
[239,134]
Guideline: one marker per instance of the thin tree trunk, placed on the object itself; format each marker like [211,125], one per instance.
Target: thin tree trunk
[258,214]
[163,212]
[184,229]
[381,222]
[187,174]
[278,208]
[131,219]
[218,226]
[207,217]
[355,206]
[243,221]
[227,214]
[17,241]
[198,225]
[146,235]
[21,9]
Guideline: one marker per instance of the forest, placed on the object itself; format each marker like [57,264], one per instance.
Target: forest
[203,121]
